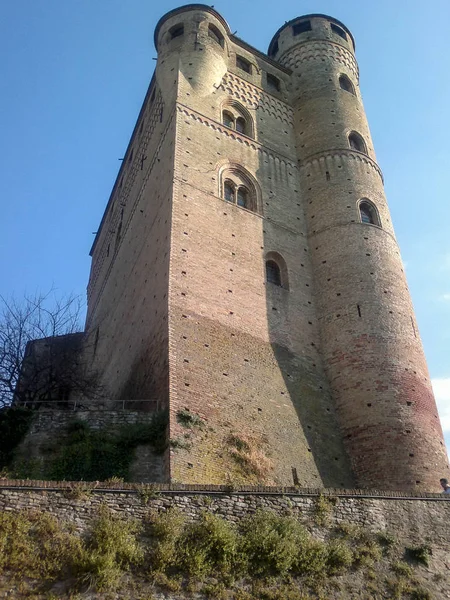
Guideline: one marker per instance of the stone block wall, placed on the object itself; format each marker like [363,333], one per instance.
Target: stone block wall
[415,518]
[49,424]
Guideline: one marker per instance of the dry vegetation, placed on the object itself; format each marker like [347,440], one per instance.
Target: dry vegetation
[265,556]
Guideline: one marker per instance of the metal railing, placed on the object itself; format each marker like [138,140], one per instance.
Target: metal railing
[142,404]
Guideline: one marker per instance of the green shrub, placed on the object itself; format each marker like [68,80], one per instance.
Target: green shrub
[270,543]
[366,553]
[111,549]
[165,531]
[419,554]
[402,569]
[339,557]
[421,594]
[323,509]
[33,545]
[188,419]
[386,539]
[209,546]
[83,454]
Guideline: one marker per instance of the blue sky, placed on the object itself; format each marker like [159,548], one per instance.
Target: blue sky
[75,73]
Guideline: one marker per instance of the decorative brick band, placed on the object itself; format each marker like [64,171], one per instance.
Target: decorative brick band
[233,134]
[342,152]
[320,50]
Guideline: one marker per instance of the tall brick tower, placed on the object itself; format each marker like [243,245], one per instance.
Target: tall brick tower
[246,274]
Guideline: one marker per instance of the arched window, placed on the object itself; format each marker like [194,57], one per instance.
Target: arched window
[346,84]
[215,34]
[273,273]
[236,117]
[176,31]
[239,187]
[368,213]
[276,270]
[242,196]
[228,191]
[240,125]
[228,119]
[356,142]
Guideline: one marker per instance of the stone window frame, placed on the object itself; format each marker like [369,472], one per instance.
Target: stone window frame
[273,83]
[346,84]
[215,34]
[244,64]
[237,113]
[371,211]
[301,27]
[338,31]
[237,179]
[357,142]
[176,31]
[279,261]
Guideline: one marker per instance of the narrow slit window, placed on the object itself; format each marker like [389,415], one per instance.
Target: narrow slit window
[346,84]
[301,27]
[273,273]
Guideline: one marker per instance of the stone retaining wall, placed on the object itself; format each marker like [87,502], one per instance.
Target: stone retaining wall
[415,518]
[48,424]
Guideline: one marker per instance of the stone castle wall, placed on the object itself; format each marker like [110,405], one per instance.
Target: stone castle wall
[147,466]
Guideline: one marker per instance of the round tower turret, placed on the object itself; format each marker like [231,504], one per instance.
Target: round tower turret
[191,40]
[370,341]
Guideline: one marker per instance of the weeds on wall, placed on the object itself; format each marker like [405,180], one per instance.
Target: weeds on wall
[86,454]
[189,419]
[249,455]
[264,556]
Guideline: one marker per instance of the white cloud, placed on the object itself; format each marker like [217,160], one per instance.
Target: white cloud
[441,388]
[445,297]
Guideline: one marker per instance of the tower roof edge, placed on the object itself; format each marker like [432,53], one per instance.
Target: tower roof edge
[185,8]
[310,16]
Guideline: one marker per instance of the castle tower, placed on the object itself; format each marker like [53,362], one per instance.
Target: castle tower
[231,259]
[369,337]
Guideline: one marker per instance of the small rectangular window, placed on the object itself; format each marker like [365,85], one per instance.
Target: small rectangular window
[243,64]
[340,32]
[301,27]
[273,83]
[176,31]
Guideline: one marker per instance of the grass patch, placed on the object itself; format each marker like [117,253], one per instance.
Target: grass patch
[249,454]
[402,569]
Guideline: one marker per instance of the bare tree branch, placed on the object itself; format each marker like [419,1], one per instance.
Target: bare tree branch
[41,350]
